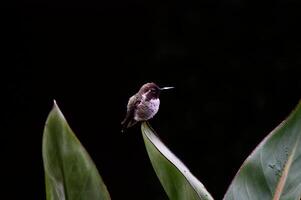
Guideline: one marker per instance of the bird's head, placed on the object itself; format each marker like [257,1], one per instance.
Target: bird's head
[152,90]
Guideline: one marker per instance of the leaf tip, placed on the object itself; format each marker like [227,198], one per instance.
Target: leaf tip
[55,106]
[56,110]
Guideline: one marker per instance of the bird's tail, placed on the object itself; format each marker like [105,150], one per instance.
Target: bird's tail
[127,123]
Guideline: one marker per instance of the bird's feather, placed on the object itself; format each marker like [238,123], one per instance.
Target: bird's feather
[131,107]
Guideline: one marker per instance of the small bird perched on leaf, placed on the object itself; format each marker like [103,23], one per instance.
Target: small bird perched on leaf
[143,105]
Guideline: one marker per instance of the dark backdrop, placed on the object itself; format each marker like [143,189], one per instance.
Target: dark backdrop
[235,66]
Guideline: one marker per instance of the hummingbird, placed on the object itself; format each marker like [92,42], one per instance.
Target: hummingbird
[143,105]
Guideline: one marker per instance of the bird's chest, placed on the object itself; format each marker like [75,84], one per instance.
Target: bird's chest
[147,109]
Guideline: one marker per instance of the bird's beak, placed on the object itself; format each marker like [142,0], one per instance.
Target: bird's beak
[167,88]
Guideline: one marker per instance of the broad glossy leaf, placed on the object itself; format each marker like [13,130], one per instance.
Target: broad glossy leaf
[176,179]
[70,174]
[273,170]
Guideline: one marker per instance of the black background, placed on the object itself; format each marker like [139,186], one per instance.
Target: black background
[235,65]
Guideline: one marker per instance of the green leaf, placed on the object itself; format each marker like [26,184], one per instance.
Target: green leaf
[273,170]
[70,174]
[176,179]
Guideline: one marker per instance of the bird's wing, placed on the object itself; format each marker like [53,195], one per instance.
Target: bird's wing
[131,107]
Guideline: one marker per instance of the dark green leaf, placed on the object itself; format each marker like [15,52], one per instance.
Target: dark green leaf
[174,176]
[70,174]
[273,170]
